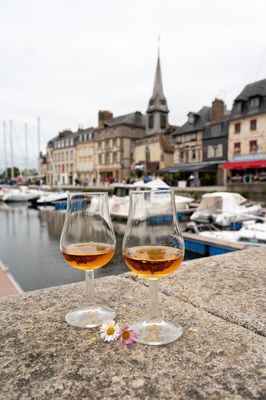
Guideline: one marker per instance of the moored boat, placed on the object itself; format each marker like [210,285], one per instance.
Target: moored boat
[119,202]
[223,208]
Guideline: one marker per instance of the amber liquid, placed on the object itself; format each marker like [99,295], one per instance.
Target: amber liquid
[153,261]
[88,256]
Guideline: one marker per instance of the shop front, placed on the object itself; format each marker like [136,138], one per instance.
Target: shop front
[246,170]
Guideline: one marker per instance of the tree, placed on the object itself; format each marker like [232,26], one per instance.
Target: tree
[7,173]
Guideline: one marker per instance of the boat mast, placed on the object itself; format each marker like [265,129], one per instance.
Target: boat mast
[39,143]
[5,154]
[26,149]
[11,148]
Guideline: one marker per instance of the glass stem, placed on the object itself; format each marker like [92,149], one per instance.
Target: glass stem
[90,297]
[153,311]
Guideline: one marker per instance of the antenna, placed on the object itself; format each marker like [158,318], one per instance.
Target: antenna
[5,154]
[11,148]
[26,149]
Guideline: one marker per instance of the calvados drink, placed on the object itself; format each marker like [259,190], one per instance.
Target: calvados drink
[88,256]
[153,261]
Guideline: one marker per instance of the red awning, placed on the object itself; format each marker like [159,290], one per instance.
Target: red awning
[244,164]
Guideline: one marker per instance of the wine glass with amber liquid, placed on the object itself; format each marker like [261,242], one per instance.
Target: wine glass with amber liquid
[153,248]
[88,243]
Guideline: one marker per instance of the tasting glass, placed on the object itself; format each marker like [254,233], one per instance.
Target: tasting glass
[88,243]
[153,247]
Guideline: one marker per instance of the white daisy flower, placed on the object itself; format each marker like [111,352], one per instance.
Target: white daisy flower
[110,331]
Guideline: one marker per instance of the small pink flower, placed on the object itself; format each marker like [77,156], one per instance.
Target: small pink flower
[127,335]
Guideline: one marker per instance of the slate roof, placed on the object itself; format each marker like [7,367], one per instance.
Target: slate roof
[201,118]
[253,89]
[135,119]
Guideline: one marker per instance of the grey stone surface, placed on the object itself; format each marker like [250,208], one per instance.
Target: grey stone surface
[232,286]
[44,358]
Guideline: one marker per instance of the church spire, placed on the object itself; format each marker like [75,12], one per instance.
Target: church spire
[157,112]
[158,101]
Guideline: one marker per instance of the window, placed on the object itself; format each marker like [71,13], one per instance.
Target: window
[107,158]
[254,102]
[163,121]
[218,151]
[237,127]
[193,136]
[162,102]
[253,124]
[100,159]
[114,158]
[179,139]
[150,121]
[193,154]
[216,130]
[191,118]
[237,148]
[181,156]
[215,151]
[210,152]
[253,146]
[239,106]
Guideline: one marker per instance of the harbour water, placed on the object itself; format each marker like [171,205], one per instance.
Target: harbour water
[29,247]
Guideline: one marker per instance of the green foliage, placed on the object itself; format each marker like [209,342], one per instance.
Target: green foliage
[7,173]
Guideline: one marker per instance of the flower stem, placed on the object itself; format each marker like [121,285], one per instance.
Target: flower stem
[90,298]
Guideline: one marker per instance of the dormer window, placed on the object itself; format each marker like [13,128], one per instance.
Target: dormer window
[191,118]
[254,102]
[162,102]
[151,102]
[239,106]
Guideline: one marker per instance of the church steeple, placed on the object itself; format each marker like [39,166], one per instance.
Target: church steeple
[157,111]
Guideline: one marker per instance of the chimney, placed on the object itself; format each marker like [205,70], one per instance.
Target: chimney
[103,116]
[217,111]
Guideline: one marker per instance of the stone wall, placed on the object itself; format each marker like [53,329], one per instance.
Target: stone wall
[220,302]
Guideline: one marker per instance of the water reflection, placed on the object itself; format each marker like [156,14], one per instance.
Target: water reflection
[29,246]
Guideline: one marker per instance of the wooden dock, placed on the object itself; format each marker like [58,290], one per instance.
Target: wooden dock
[8,285]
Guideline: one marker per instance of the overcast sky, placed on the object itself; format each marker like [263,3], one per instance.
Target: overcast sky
[63,60]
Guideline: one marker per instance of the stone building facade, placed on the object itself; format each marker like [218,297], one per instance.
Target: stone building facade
[61,152]
[114,141]
[85,173]
[247,135]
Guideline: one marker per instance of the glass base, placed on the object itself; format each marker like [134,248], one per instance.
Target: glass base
[157,332]
[90,316]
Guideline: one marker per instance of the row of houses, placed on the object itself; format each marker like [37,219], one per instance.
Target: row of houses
[215,145]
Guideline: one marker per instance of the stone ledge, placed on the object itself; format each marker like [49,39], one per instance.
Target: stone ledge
[44,358]
[232,286]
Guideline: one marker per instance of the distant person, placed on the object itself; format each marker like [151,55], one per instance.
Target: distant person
[191,180]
